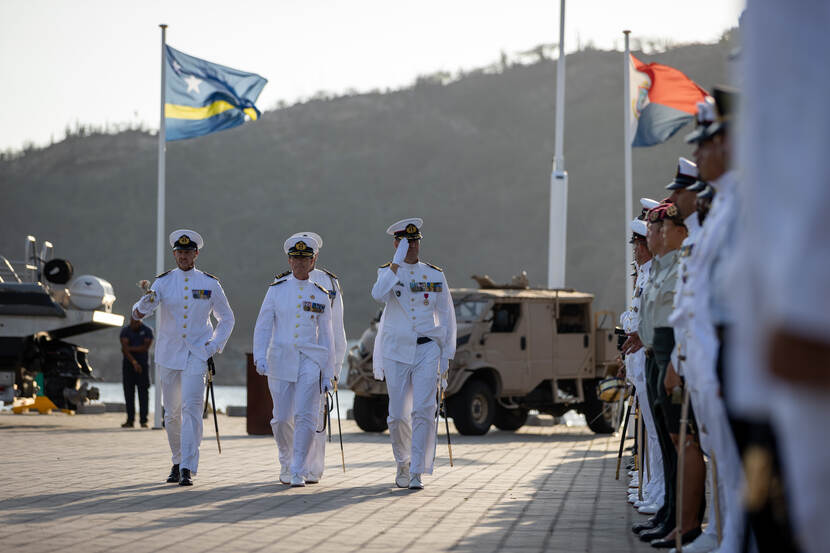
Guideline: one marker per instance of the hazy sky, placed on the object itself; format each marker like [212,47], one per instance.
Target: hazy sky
[98,61]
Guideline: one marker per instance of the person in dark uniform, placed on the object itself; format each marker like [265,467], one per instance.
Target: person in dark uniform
[136,338]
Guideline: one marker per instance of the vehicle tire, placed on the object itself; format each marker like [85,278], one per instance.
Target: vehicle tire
[370,413]
[599,415]
[509,419]
[473,408]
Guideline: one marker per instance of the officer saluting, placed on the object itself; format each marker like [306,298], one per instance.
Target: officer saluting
[414,343]
[316,461]
[294,347]
[185,340]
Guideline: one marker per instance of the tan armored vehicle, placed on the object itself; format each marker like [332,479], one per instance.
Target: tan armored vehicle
[518,349]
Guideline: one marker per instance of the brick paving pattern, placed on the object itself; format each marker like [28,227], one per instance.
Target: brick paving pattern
[82,483]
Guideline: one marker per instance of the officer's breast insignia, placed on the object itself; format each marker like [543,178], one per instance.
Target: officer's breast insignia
[686,251]
[165,273]
[434,266]
[282,275]
[426,286]
[201,294]
[388,263]
[210,275]
[276,283]
[313,307]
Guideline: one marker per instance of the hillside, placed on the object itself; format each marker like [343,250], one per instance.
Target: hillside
[471,157]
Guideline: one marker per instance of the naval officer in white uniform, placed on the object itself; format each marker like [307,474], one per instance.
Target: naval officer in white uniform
[294,347]
[316,461]
[413,347]
[185,339]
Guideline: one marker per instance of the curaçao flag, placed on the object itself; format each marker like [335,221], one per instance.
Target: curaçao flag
[201,97]
[662,100]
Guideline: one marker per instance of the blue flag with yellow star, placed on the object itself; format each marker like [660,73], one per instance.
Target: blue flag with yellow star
[201,97]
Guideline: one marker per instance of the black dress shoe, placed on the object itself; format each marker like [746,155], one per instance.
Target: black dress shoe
[643,526]
[656,533]
[667,543]
[185,481]
[128,424]
[174,475]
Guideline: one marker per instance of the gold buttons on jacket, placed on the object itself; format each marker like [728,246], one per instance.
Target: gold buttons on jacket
[185,306]
[184,335]
[184,326]
[297,325]
[186,279]
[298,315]
[185,316]
[186,288]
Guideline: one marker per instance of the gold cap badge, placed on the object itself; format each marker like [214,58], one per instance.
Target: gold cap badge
[411,229]
[300,246]
[184,240]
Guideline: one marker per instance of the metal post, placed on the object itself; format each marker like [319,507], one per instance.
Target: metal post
[629,194]
[160,221]
[558,225]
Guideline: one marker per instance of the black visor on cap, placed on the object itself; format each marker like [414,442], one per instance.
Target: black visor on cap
[184,243]
[301,249]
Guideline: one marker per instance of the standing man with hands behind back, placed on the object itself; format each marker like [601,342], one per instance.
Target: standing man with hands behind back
[185,297]
[136,338]
[413,347]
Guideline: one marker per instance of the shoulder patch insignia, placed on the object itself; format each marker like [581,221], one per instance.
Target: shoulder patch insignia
[165,273]
[433,266]
[210,275]
[388,263]
[326,292]
[277,282]
[332,275]
[282,275]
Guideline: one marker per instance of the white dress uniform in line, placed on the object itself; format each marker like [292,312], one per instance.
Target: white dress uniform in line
[415,341]
[317,453]
[784,265]
[294,347]
[653,492]
[185,340]
[700,368]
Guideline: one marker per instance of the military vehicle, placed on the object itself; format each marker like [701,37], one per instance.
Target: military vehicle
[41,304]
[518,349]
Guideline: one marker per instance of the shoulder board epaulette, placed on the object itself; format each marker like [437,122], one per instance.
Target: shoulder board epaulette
[210,275]
[434,267]
[385,265]
[277,282]
[326,292]
[165,273]
[282,275]
[332,275]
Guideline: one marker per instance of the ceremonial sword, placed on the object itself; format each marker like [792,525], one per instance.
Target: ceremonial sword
[210,373]
[681,461]
[622,438]
[339,430]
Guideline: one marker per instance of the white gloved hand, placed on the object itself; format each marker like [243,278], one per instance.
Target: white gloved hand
[401,251]
[261,367]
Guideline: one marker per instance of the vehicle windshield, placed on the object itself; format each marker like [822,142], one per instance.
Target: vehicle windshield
[469,310]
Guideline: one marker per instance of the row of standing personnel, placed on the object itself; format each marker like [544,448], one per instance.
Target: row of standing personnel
[299,344]
[708,379]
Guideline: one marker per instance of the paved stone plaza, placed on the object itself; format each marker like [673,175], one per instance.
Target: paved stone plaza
[81,483]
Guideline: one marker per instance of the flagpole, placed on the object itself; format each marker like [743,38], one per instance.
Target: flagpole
[629,194]
[160,220]
[558,224]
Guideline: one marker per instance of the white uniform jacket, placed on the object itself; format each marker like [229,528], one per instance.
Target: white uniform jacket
[295,318]
[185,301]
[330,282]
[418,304]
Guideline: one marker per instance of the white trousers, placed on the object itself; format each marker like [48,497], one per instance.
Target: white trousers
[716,435]
[182,392]
[412,404]
[801,417]
[653,487]
[296,415]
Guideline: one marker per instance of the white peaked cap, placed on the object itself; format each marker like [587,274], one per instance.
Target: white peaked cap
[309,242]
[191,235]
[317,237]
[648,203]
